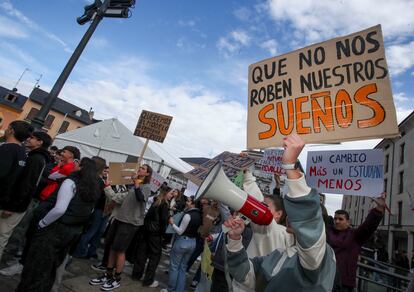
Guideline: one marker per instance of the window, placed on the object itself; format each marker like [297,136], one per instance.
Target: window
[356,201]
[385,184]
[400,208]
[350,202]
[32,113]
[64,127]
[49,121]
[401,188]
[402,148]
[363,200]
[10,97]
[387,158]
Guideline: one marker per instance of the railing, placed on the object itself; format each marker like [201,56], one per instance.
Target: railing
[375,276]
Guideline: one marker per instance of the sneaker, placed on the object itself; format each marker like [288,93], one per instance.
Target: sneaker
[111,284]
[100,280]
[98,267]
[193,284]
[15,269]
[154,284]
[163,290]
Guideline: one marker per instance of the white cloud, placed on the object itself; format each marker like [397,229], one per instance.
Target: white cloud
[319,20]
[188,23]
[21,56]
[241,37]
[233,42]
[243,13]
[10,10]
[204,123]
[11,29]
[401,97]
[270,46]
[400,57]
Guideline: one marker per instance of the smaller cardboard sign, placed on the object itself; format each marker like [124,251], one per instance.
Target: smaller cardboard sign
[156,181]
[153,126]
[272,161]
[347,172]
[232,164]
[120,173]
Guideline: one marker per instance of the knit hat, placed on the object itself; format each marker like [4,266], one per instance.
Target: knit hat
[44,137]
[75,151]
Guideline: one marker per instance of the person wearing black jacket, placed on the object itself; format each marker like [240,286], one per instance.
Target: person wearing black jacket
[61,223]
[150,247]
[12,162]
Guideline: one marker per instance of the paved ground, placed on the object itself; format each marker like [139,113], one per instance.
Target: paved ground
[77,276]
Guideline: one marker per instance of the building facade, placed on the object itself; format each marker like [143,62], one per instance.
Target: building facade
[11,107]
[63,116]
[396,229]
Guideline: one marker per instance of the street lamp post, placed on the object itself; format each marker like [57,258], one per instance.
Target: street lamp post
[95,11]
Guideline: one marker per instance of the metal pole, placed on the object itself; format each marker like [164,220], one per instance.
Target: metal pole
[20,78]
[39,120]
[391,178]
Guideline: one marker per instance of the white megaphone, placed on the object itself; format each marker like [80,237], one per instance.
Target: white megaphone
[218,187]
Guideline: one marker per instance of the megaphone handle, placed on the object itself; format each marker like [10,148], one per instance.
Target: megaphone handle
[244,218]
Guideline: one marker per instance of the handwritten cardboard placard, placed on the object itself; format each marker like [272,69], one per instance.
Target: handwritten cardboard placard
[333,91]
[347,172]
[272,161]
[153,126]
[232,164]
[120,173]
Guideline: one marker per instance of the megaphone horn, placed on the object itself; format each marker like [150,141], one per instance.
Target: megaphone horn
[218,187]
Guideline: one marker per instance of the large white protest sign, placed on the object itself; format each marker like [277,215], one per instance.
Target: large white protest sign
[271,161]
[347,172]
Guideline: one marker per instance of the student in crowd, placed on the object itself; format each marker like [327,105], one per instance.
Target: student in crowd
[27,182]
[12,162]
[347,242]
[114,197]
[307,266]
[178,201]
[126,223]
[183,246]
[150,246]
[210,214]
[89,241]
[69,157]
[60,227]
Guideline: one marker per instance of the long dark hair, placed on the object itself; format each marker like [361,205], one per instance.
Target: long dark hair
[87,186]
[147,179]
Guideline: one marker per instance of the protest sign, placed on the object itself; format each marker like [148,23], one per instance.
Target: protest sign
[232,164]
[333,91]
[153,126]
[156,181]
[120,173]
[347,172]
[272,161]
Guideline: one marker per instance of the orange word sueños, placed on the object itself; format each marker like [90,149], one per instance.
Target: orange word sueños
[325,111]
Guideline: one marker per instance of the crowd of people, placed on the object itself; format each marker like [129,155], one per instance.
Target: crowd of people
[59,205]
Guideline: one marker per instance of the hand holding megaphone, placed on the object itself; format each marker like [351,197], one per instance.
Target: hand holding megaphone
[217,186]
[235,226]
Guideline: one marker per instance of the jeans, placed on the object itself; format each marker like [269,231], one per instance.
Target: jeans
[180,254]
[90,239]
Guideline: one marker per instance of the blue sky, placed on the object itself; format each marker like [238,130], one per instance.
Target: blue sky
[188,58]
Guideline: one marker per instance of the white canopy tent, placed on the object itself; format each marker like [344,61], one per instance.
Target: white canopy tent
[111,140]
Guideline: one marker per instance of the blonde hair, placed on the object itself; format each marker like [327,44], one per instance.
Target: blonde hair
[161,197]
